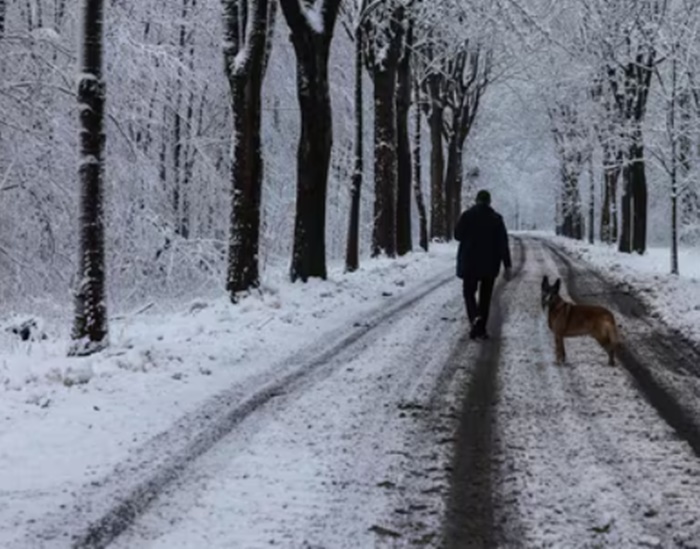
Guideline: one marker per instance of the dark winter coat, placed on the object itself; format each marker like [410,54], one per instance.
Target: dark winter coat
[483,243]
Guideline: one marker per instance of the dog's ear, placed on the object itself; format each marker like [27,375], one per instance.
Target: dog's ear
[557,286]
[545,283]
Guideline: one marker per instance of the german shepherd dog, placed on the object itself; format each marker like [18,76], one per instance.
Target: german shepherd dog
[568,320]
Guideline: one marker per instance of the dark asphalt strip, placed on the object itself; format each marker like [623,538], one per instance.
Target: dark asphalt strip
[658,347]
[469,520]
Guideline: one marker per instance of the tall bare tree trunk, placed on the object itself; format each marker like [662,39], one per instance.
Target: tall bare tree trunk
[404,241]
[90,323]
[437,167]
[608,219]
[385,163]
[591,201]
[245,81]
[417,183]
[450,182]
[639,198]
[625,240]
[352,253]
[316,137]
[383,48]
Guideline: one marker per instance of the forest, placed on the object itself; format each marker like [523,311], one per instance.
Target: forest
[162,150]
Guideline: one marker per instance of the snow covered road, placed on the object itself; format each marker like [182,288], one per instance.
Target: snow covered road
[582,459]
[404,433]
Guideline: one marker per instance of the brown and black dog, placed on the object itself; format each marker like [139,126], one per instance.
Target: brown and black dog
[569,320]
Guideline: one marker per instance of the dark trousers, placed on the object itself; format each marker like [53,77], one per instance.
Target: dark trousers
[485,287]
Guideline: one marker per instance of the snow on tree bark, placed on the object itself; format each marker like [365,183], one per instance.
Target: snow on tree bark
[312,49]
[248,26]
[404,243]
[90,322]
[383,35]
[417,168]
[352,253]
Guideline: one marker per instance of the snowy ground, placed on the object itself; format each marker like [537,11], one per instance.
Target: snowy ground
[67,422]
[335,415]
[674,299]
[583,459]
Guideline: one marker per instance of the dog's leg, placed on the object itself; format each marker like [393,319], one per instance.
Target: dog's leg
[560,351]
[608,341]
[611,357]
[605,342]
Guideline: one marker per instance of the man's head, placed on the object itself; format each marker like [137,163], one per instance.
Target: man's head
[483,197]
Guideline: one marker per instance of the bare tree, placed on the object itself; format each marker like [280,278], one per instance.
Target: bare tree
[571,140]
[248,27]
[470,72]
[672,149]
[434,86]
[312,24]
[90,324]
[417,168]
[629,68]
[383,37]
[404,243]
[352,251]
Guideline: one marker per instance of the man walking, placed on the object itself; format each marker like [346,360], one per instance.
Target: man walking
[483,246]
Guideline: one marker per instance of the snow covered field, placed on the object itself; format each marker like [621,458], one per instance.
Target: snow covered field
[353,413]
[68,421]
[674,299]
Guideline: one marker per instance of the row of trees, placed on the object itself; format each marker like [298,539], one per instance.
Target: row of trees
[198,186]
[608,66]
[409,58]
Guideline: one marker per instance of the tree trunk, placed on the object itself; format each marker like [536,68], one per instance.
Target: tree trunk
[178,137]
[90,324]
[316,136]
[245,82]
[625,242]
[674,225]
[450,184]
[614,214]
[385,163]
[437,168]
[453,182]
[591,202]
[246,180]
[352,253]
[572,216]
[404,241]
[417,184]
[608,220]
[313,157]
[639,199]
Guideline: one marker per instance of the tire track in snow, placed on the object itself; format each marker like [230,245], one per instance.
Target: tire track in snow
[585,461]
[665,365]
[320,466]
[105,508]
[469,519]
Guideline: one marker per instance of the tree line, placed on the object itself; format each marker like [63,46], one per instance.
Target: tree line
[607,65]
[409,61]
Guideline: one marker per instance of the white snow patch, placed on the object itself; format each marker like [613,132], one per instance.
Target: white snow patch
[68,421]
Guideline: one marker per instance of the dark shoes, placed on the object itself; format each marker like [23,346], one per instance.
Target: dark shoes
[478,330]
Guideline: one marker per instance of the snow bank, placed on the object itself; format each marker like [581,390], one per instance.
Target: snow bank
[68,421]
